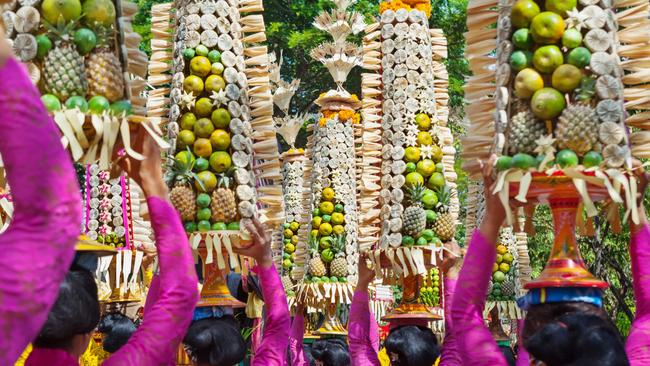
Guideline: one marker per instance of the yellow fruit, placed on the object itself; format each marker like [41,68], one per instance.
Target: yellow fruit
[220,161]
[98,12]
[187,121]
[523,13]
[338,218]
[203,107]
[338,229]
[193,84]
[566,78]
[202,148]
[289,248]
[314,232]
[328,194]
[527,82]
[423,121]
[294,226]
[316,222]
[547,27]
[209,181]
[436,153]
[287,233]
[412,154]
[424,138]
[200,65]
[502,249]
[504,267]
[325,229]
[67,9]
[203,128]
[294,239]
[495,267]
[214,83]
[185,138]
[220,140]
[414,178]
[326,208]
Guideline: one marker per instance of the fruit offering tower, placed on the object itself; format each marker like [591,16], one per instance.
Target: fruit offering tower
[223,164]
[504,285]
[285,242]
[331,236]
[408,196]
[84,57]
[556,87]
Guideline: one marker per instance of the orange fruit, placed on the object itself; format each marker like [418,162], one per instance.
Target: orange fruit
[566,78]
[200,65]
[187,121]
[426,167]
[193,84]
[523,12]
[414,178]
[424,138]
[220,140]
[326,208]
[560,6]
[220,118]
[547,58]
[436,153]
[328,194]
[203,107]
[220,161]
[547,27]
[185,138]
[203,128]
[423,121]
[202,147]
[208,179]
[66,9]
[547,103]
[412,154]
[527,82]
[214,83]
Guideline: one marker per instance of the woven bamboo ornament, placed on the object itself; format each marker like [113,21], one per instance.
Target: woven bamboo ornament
[406,144]
[331,219]
[218,112]
[92,74]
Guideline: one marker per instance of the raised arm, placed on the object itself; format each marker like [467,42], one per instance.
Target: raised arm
[38,246]
[476,345]
[296,338]
[450,355]
[165,322]
[637,346]
[363,350]
[277,321]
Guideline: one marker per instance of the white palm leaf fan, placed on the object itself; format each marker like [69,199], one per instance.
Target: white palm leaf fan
[340,24]
[289,126]
[283,94]
[339,58]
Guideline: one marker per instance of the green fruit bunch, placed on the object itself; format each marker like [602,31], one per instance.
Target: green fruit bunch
[430,290]
[290,241]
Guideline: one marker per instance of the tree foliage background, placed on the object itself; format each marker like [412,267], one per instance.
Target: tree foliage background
[290,32]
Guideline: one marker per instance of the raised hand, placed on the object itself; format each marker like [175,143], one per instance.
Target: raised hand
[260,247]
[366,275]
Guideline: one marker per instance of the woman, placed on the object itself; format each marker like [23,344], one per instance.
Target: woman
[170,302]
[117,328]
[217,342]
[574,333]
[330,352]
[38,246]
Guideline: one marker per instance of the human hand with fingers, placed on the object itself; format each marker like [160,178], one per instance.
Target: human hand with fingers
[260,247]
[366,275]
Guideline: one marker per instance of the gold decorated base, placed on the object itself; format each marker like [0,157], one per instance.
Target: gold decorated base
[415,311]
[332,324]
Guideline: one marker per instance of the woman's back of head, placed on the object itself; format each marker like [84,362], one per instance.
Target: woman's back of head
[331,352]
[411,345]
[578,339]
[75,312]
[215,342]
[117,329]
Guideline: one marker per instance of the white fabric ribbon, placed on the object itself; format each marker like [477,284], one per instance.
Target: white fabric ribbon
[208,246]
[195,239]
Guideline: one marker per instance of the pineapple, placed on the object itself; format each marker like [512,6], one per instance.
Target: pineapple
[523,132]
[182,195]
[104,68]
[415,217]
[316,265]
[444,225]
[577,128]
[339,266]
[508,287]
[224,204]
[64,73]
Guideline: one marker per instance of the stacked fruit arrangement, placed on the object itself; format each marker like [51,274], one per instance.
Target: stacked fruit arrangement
[292,183]
[561,62]
[75,53]
[394,5]
[502,286]
[210,166]
[327,240]
[430,290]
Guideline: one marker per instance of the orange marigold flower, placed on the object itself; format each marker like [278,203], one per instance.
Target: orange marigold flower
[357,118]
[322,121]
[346,115]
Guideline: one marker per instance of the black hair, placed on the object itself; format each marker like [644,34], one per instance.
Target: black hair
[76,311]
[117,329]
[578,339]
[413,345]
[331,352]
[215,341]
[540,315]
